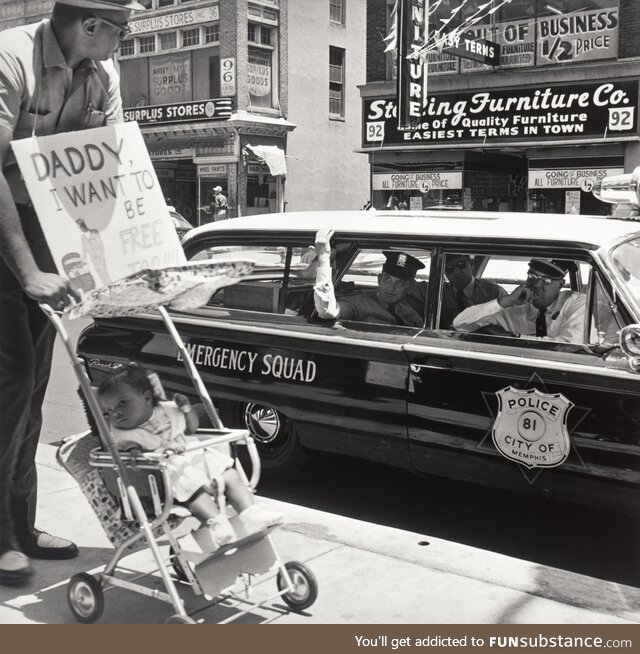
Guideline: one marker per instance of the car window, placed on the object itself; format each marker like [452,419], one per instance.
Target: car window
[471,283]
[360,280]
[281,281]
[606,318]
[626,260]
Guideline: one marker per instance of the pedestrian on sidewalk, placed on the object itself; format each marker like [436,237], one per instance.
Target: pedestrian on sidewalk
[55,76]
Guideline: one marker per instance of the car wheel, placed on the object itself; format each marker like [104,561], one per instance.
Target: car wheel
[274,434]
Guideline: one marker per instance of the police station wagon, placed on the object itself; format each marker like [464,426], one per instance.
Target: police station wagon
[489,407]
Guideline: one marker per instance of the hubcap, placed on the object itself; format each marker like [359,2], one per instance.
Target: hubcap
[263,422]
[300,586]
[83,598]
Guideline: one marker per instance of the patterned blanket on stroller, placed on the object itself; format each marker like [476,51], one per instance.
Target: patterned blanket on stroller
[73,455]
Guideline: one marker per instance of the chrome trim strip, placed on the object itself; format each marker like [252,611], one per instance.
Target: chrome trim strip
[250,329]
[522,361]
[414,348]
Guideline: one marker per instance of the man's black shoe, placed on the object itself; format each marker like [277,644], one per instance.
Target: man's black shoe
[42,545]
[15,569]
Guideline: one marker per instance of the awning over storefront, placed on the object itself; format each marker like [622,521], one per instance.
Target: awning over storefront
[272,155]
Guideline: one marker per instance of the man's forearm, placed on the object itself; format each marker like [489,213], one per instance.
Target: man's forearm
[323,293]
[14,247]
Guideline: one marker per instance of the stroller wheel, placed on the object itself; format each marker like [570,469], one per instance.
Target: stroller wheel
[305,586]
[85,597]
[179,619]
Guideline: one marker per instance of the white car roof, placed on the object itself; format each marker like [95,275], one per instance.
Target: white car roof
[593,230]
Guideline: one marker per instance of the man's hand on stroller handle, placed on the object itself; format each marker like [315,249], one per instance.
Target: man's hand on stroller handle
[47,288]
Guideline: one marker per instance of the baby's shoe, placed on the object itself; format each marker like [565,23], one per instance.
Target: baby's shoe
[221,530]
[255,518]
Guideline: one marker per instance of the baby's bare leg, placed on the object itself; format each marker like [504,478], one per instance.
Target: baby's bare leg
[237,492]
[203,506]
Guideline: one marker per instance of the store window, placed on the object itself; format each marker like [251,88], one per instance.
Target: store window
[147,44]
[260,77]
[336,82]
[212,33]
[127,47]
[173,75]
[261,190]
[168,40]
[190,37]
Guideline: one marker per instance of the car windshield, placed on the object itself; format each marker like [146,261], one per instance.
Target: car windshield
[626,260]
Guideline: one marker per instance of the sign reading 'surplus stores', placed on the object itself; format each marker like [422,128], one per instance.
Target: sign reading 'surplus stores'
[180,112]
[174,20]
[607,110]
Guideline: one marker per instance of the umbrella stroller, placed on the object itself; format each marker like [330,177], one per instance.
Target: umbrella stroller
[143,516]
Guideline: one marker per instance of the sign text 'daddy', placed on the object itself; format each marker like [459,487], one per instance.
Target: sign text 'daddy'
[524,114]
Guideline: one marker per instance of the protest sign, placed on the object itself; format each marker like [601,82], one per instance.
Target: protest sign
[98,199]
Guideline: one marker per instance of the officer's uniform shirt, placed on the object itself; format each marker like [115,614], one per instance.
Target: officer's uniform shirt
[565,318]
[477,291]
[38,91]
[367,308]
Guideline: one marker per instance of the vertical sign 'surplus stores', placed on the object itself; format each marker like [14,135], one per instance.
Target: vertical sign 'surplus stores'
[537,136]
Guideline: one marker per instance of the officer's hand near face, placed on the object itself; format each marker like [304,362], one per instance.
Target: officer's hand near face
[521,295]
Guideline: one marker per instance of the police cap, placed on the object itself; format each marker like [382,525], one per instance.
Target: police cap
[401,265]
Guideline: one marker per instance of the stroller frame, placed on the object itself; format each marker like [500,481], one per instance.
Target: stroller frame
[296,584]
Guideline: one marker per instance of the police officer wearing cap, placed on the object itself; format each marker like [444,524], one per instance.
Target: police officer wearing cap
[55,76]
[537,309]
[387,305]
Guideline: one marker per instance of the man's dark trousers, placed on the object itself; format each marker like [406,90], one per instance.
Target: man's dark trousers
[26,348]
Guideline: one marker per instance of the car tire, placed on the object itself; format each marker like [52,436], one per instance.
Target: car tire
[275,436]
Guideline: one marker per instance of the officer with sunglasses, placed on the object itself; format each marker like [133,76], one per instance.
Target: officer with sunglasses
[537,309]
[462,289]
[55,76]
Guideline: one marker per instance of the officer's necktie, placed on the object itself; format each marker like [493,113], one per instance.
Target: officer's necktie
[541,323]
[461,300]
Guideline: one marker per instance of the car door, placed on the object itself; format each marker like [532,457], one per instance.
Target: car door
[341,383]
[461,390]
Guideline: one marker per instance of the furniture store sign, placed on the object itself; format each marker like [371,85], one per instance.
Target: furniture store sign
[570,178]
[423,182]
[578,36]
[538,113]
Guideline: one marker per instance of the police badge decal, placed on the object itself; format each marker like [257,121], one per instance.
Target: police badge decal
[531,427]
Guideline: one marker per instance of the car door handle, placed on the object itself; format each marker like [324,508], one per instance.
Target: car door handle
[432,363]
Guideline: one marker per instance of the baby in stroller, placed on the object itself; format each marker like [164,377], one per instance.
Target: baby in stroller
[130,399]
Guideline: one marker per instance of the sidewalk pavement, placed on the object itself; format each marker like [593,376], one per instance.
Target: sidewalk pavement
[367,574]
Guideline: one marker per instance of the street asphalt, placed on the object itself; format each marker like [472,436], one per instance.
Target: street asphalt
[366,573]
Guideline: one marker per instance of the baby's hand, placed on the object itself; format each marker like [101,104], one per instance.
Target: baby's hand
[182,402]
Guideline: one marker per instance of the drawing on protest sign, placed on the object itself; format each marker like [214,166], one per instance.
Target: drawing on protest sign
[99,203]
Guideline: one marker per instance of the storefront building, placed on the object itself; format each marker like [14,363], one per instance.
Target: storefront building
[257,97]
[202,79]
[534,132]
